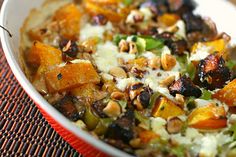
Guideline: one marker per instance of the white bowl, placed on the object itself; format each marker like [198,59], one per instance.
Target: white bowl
[12,16]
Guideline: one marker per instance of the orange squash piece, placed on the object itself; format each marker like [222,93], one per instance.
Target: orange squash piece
[140,62]
[70,76]
[208,117]
[227,94]
[94,9]
[146,136]
[105,2]
[68,18]
[168,19]
[165,108]
[44,56]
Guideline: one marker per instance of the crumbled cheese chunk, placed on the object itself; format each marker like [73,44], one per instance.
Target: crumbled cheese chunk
[158,126]
[149,55]
[79,61]
[89,31]
[208,146]
[181,29]
[147,13]
[126,56]
[105,57]
[201,53]
[123,83]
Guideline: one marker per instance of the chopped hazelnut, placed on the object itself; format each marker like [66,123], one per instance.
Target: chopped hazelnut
[168,62]
[112,109]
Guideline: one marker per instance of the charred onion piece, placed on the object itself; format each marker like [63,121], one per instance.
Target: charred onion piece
[184,86]
[122,128]
[178,47]
[193,22]
[67,106]
[98,107]
[212,72]
[69,48]
[100,20]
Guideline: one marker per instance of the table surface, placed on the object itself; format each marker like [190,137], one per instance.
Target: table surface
[23,130]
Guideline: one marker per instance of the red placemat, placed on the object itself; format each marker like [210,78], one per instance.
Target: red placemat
[23,130]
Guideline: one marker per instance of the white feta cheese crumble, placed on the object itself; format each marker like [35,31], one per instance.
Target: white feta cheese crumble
[181,29]
[79,61]
[89,31]
[123,83]
[201,53]
[126,56]
[208,146]
[147,13]
[149,55]
[158,126]
[165,50]
[105,57]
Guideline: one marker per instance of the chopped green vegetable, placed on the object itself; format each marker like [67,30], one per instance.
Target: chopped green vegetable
[123,105]
[233,130]
[179,151]
[191,70]
[153,99]
[231,64]
[102,126]
[90,119]
[142,119]
[143,42]
[127,2]
[206,95]
[191,103]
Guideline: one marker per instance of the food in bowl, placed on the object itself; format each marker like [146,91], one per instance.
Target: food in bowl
[149,77]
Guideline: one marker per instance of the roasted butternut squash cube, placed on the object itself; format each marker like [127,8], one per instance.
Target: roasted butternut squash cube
[68,18]
[95,9]
[146,136]
[140,62]
[70,76]
[165,108]
[227,94]
[208,117]
[44,56]
[168,19]
[105,2]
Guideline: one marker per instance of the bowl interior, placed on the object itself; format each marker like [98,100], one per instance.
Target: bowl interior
[13,15]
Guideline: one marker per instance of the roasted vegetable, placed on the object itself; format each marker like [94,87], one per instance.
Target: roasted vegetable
[69,49]
[68,17]
[184,86]
[122,128]
[69,106]
[227,94]
[98,107]
[212,72]
[168,19]
[178,47]
[70,76]
[208,117]
[44,56]
[146,136]
[165,108]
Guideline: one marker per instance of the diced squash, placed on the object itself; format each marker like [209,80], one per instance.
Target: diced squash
[94,9]
[146,136]
[168,19]
[219,45]
[44,56]
[227,94]
[68,18]
[70,76]
[208,117]
[89,90]
[165,108]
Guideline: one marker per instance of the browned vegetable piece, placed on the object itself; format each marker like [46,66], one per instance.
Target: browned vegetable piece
[90,90]
[69,49]
[70,76]
[44,55]
[67,106]
[184,86]
[227,94]
[178,47]
[68,17]
[168,19]
[165,108]
[212,72]
[98,107]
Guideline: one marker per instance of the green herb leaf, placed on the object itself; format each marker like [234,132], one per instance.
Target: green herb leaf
[206,95]
[191,70]
[152,43]
[233,130]
[179,151]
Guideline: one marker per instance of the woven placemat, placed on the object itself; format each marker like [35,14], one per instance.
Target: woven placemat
[23,130]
